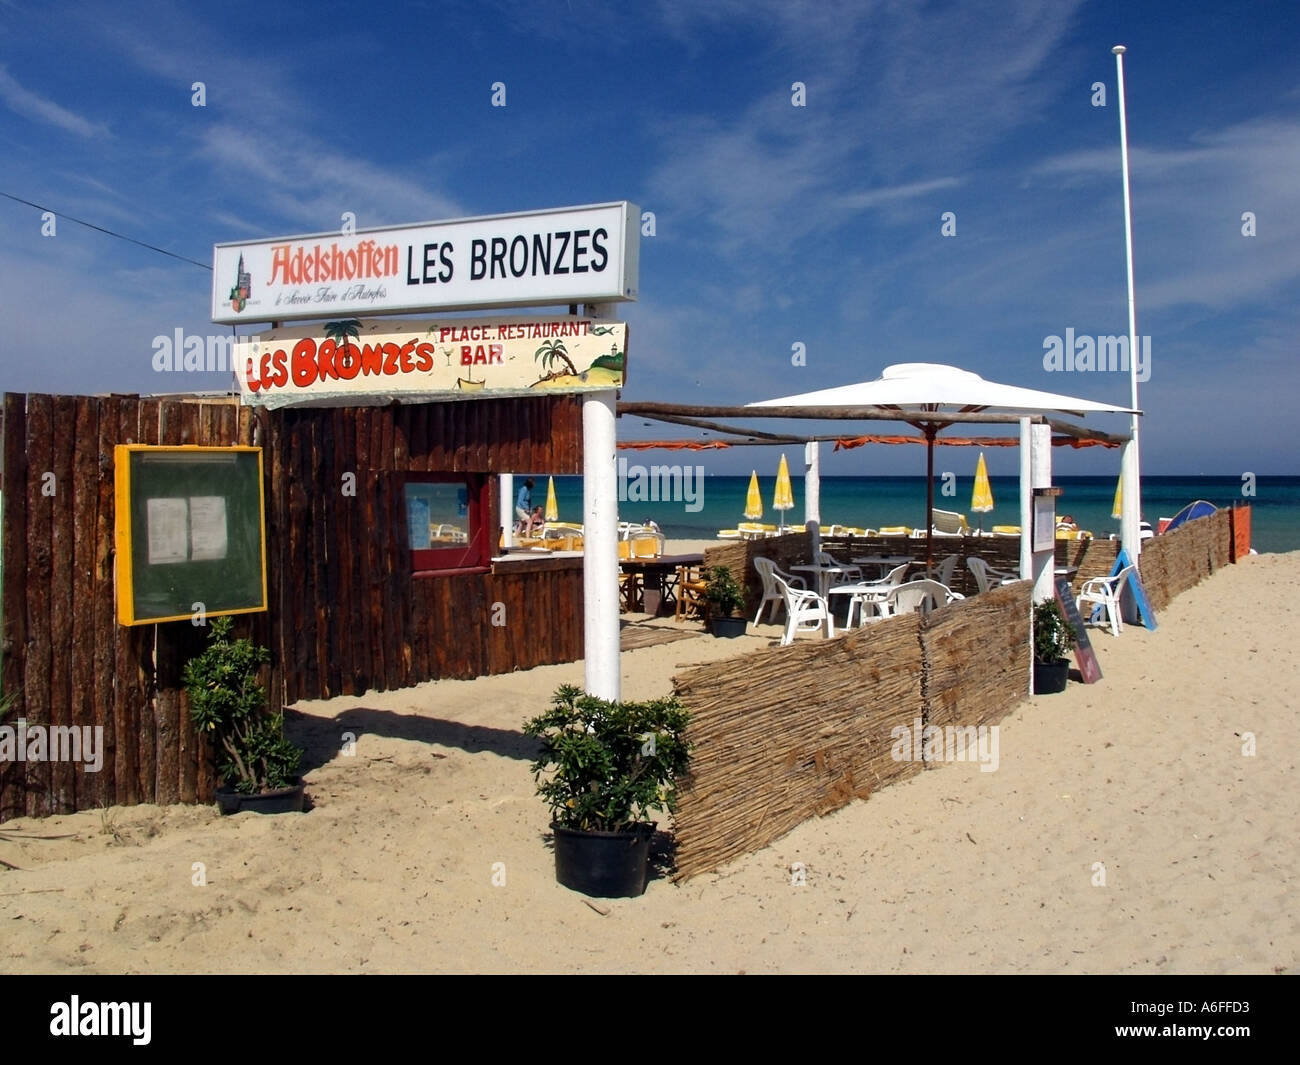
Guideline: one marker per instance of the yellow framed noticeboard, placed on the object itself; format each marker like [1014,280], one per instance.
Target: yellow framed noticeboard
[190,532]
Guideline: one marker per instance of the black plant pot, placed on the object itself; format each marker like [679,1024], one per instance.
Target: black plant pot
[728,628]
[606,865]
[282,801]
[1051,677]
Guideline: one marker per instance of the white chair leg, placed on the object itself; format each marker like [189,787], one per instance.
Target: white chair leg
[788,636]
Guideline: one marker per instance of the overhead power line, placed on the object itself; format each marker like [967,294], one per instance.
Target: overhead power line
[109,232]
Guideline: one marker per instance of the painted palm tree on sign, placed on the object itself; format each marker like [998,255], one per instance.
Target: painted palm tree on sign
[343,331]
[551,352]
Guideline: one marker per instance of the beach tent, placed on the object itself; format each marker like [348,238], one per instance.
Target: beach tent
[921,393]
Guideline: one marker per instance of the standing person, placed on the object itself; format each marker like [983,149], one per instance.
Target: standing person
[524,508]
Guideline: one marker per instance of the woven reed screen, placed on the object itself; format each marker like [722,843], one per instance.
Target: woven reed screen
[1175,561]
[783,735]
[977,657]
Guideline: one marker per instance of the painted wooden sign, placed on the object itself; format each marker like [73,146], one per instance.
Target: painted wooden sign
[1084,656]
[356,362]
[1134,606]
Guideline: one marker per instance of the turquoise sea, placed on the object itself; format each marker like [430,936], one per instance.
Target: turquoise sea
[870,502]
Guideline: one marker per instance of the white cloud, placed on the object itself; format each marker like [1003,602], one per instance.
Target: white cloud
[1188,202]
[30,105]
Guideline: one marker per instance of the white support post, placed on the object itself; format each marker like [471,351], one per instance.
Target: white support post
[1026,501]
[506,502]
[1130,530]
[600,544]
[812,494]
[1130,522]
[1044,562]
[1026,532]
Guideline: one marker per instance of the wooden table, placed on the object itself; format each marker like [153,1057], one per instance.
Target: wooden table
[658,578]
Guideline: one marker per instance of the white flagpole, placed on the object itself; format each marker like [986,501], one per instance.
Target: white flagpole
[1130,532]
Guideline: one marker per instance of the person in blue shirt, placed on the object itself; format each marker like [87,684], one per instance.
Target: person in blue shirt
[524,509]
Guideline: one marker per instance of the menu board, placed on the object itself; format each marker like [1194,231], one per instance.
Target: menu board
[1084,656]
[191,534]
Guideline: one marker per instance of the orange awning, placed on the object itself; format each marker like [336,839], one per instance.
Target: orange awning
[849,442]
[672,445]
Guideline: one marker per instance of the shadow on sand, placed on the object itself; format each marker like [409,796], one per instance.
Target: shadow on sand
[322,738]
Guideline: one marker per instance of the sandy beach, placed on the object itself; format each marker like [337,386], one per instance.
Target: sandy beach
[952,871]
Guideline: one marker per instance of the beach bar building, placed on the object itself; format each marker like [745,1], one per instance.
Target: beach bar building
[365,553]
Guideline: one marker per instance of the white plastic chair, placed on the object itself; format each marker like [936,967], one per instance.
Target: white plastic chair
[848,574]
[872,594]
[922,595]
[945,571]
[805,611]
[985,575]
[767,570]
[1103,593]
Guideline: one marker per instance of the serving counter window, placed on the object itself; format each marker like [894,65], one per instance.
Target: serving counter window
[446,522]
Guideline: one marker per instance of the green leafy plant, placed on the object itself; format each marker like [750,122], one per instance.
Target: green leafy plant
[1053,636]
[723,592]
[228,703]
[608,763]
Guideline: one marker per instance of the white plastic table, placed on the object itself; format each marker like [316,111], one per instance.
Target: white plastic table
[862,596]
[883,562]
[825,574]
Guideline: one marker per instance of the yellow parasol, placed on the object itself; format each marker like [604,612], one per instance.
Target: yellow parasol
[981,499]
[1117,510]
[783,499]
[753,501]
[552,507]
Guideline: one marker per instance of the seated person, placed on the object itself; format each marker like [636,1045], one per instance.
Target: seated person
[524,509]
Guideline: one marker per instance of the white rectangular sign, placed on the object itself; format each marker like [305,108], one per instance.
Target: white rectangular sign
[378,360]
[538,258]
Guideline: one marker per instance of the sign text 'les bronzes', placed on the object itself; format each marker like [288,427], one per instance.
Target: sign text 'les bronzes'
[378,360]
[567,255]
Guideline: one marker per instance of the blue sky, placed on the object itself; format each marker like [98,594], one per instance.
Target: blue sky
[775,224]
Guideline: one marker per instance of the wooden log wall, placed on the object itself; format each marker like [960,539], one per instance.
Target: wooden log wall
[780,736]
[65,656]
[345,613]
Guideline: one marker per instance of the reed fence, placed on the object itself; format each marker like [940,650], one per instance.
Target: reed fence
[783,735]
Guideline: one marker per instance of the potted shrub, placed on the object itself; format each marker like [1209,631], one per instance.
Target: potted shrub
[1053,639]
[603,766]
[725,598]
[256,765]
